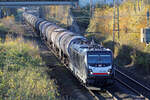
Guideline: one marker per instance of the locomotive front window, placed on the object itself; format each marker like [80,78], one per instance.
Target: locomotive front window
[99,60]
[92,59]
[105,59]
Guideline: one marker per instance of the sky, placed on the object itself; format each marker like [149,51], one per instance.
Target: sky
[85,2]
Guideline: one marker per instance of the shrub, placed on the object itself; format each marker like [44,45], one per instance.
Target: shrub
[21,74]
[128,48]
[28,83]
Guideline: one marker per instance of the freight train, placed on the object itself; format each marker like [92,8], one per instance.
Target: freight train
[91,63]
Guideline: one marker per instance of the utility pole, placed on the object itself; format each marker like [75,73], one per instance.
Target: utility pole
[141,4]
[91,12]
[116,20]
[91,8]
[91,15]
[138,5]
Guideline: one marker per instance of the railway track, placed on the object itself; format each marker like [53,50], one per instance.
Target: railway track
[132,84]
[102,95]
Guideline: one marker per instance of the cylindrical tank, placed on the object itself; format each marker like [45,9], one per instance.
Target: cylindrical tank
[45,27]
[37,24]
[64,39]
[31,20]
[34,21]
[41,25]
[54,34]
[59,37]
[49,30]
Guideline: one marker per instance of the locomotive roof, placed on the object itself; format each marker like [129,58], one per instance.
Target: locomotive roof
[82,48]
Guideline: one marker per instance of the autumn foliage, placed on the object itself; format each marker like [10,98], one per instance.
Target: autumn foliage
[129,51]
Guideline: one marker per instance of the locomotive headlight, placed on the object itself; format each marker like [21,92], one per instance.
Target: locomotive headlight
[109,71]
[90,71]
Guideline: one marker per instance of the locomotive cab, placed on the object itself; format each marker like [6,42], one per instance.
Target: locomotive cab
[100,66]
[99,62]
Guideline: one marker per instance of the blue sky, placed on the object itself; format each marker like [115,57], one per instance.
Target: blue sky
[85,2]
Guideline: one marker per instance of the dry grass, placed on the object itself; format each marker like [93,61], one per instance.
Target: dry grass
[9,24]
[21,74]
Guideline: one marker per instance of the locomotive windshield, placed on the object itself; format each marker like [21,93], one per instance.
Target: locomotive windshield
[99,59]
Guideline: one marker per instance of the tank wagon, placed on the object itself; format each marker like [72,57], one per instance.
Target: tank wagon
[89,62]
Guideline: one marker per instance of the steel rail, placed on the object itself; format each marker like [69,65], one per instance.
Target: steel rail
[114,98]
[130,87]
[134,81]
[98,92]
[97,98]
[92,93]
